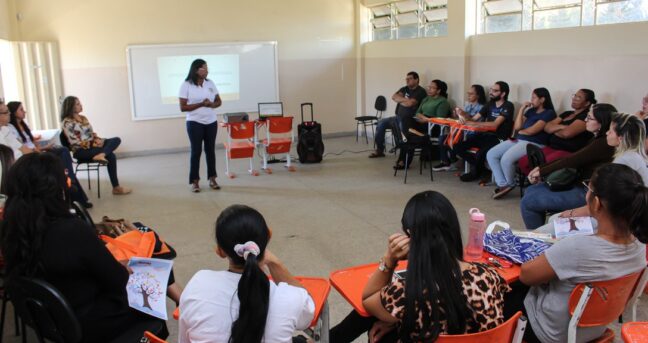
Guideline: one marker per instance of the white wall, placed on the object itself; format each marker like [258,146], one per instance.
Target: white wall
[316,41]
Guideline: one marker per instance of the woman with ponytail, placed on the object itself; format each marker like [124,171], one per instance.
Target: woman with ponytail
[460,297]
[618,199]
[41,239]
[240,304]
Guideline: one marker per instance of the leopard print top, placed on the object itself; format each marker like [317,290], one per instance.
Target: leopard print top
[483,287]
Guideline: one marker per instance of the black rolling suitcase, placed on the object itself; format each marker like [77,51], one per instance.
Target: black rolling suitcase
[310,146]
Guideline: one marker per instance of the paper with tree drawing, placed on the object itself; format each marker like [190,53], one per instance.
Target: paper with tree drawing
[573,226]
[147,285]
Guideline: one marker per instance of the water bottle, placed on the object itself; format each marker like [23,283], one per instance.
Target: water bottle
[476,228]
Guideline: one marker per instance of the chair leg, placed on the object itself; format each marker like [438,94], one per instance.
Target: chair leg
[98,183]
[373,134]
[357,130]
[406,161]
[88,173]
[364,129]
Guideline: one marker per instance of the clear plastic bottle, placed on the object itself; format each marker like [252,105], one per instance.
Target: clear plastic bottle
[476,228]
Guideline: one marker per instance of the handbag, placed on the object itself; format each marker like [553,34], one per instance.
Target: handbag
[562,179]
[507,245]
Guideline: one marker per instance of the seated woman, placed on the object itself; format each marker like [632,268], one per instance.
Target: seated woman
[529,125]
[86,145]
[539,199]
[618,200]
[23,134]
[567,132]
[240,304]
[40,238]
[435,105]
[469,297]
[627,134]
[476,100]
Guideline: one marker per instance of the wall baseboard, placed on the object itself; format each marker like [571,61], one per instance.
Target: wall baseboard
[219,146]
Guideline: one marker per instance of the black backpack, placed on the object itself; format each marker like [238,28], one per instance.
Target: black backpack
[310,146]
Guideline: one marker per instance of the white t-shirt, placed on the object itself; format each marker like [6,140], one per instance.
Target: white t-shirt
[9,138]
[634,161]
[196,94]
[209,305]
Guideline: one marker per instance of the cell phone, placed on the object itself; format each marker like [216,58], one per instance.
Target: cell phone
[401,274]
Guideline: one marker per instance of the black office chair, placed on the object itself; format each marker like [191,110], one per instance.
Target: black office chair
[418,148]
[89,165]
[536,159]
[380,105]
[44,309]
[82,213]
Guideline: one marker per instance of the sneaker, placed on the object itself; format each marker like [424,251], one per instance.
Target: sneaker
[376,154]
[195,188]
[120,190]
[500,192]
[443,166]
[468,177]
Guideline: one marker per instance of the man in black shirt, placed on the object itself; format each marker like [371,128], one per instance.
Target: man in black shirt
[407,98]
[496,115]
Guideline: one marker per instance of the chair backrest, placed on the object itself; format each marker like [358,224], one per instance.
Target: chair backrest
[380,105]
[601,302]
[243,130]
[536,156]
[44,308]
[280,125]
[82,214]
[397,133]
[504,333]
[151,338]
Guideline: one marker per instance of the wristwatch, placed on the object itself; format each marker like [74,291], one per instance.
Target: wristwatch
[383,266]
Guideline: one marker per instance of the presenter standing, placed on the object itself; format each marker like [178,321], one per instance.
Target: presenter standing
[198,98]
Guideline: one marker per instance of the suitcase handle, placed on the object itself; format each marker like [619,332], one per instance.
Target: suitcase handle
[302,110]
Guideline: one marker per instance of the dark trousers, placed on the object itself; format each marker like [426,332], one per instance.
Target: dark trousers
[110,145]
[514,302]
[76,192]
[479,140]
[355,325]
[200,134]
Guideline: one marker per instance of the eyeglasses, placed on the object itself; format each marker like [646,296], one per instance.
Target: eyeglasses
[494,90]
[586,184]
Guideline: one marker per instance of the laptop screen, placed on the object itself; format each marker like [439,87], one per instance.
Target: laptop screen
[270,109]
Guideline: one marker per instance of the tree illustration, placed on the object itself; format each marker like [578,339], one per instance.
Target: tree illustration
[145,284]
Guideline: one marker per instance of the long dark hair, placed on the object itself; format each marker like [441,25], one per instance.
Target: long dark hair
[544,93]
[442,86]
[481,93]
[590,96]
[433,272]
[67,108]
[624,197]
[193,70]
[239,224]
[603,114]
[13,107]
[6,160]
[37,194]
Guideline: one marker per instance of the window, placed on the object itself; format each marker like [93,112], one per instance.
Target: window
[409,19]
[523,15]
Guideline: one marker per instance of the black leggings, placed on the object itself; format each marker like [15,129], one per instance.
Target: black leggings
[514,302]
[110,144]
[355,325]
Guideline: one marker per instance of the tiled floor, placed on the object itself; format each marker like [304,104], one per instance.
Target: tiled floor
[324,216]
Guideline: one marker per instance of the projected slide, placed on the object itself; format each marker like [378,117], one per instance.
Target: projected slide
[223,71]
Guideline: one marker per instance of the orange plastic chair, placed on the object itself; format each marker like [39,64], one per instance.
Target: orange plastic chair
[641,288]
[635,332]
[176,313]
[600,303]
[511,331]
[151,338]
[240,144]
[319,289]
[279,139]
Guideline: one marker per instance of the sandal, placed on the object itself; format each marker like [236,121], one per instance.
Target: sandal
[213,184]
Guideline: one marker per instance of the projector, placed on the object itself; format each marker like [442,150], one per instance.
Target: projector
[237,117]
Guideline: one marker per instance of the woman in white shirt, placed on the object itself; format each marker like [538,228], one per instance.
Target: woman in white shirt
[198,98]
[240,304]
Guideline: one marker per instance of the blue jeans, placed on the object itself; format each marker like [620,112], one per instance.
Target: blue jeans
[200,134]
[110,145]
[538,199]
[381,127]
[502,159]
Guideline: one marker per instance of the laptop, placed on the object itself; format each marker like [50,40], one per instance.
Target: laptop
[270,109]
